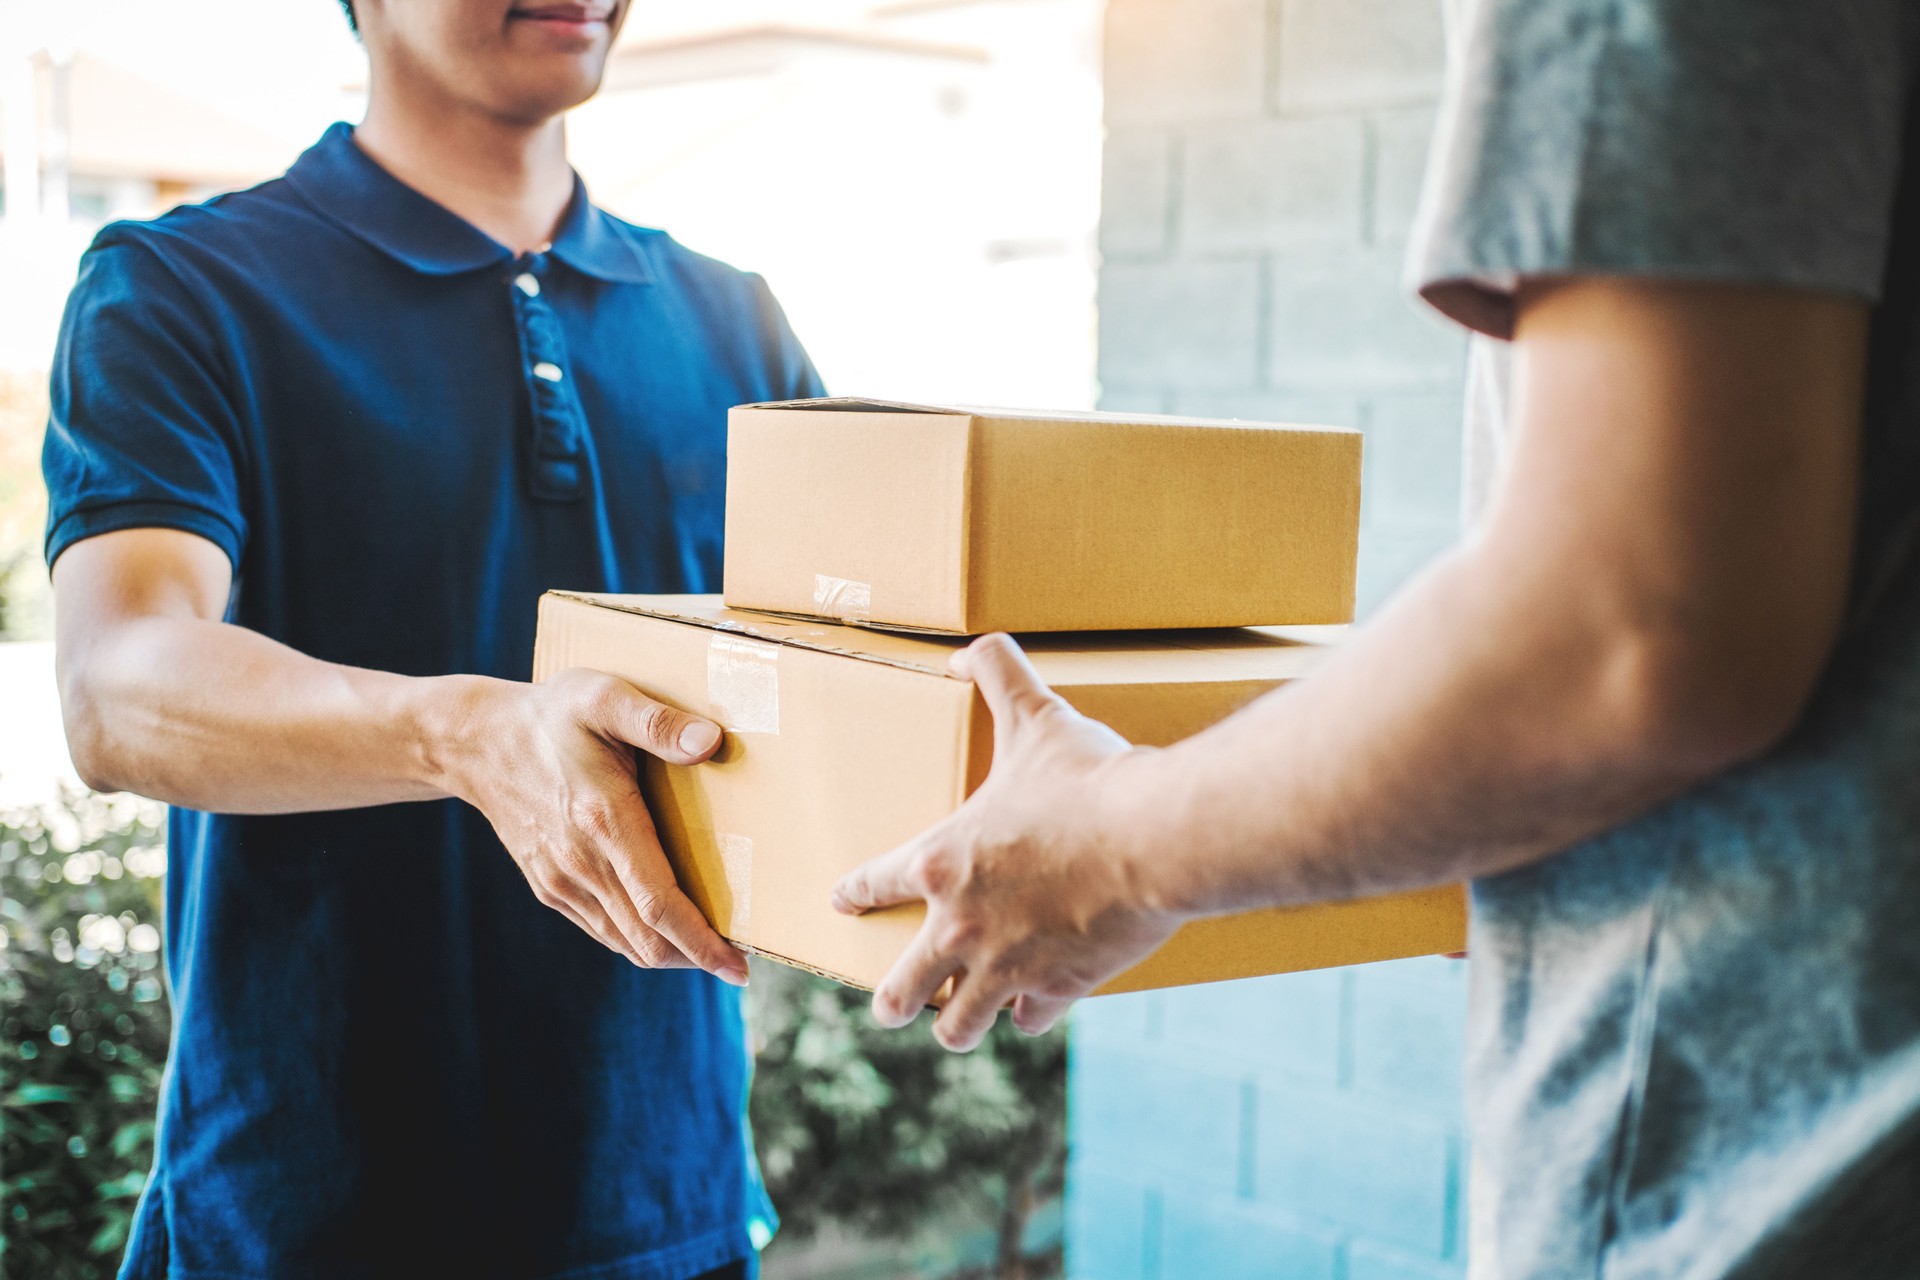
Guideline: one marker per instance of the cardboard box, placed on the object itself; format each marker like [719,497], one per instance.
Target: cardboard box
[965,521]
[843,742]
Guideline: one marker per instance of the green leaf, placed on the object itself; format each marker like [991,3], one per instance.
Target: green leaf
[125,1187]
[129,1138]
[112,1235]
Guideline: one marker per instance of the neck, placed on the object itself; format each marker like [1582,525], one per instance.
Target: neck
[508,178]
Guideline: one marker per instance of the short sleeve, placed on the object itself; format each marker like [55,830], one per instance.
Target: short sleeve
[793,371]
[1751,141]
[143,431]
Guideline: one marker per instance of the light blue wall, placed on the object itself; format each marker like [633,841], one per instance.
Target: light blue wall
[1262,164]
[1300,1126]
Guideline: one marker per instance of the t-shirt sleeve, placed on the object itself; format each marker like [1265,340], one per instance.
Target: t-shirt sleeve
[793,370]
[143,431]
[1750,141]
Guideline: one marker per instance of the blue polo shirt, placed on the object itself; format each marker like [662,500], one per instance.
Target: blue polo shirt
[389,1059]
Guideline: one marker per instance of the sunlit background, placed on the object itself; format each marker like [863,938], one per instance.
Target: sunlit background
[918,180]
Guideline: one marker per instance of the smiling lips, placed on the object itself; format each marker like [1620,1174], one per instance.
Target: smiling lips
[568,15]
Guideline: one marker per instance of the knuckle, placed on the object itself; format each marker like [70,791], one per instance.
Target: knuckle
[999,643]
[591,815]
[955,1039]
[1059,986]
[658,724]
[1037,703]
[651,908]
[591,691]
[1005,967]
[941,871]
[956,936]
[572,864]
[653,952]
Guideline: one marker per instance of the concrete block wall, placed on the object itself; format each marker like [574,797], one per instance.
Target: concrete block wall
[1263,162]
[1262,166]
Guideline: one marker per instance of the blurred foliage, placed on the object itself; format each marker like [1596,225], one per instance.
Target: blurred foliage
[84,1034]
[25,599]
[872,1134]
[887,1135]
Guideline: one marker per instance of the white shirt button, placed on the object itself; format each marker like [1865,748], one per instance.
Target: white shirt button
[528,283]
[548,371]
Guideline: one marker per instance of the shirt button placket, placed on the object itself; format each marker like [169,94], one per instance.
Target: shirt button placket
[558,461]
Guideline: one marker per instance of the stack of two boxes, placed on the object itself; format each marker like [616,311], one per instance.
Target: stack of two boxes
[1144,565]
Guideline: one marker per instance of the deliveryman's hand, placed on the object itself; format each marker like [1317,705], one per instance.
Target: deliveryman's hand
[1027,899]
[552,765]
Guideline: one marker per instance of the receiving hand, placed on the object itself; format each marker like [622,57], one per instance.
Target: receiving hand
[1029,899]
[553,767]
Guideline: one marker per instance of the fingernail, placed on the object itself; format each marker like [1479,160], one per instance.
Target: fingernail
[699,737]
[735,975]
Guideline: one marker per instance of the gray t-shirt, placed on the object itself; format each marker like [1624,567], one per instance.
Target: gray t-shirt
[1695,1040]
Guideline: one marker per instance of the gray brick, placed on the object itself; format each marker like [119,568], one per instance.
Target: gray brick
[1388,560]
[1185,1103]
[1127,1020]
[1368,1261]
[1185,324]
[1136,192]
[1408,1037]
[1126,399]
[1343,320]
[1270,406]
[1412,460]
[1440,973]
[1180,1123]
[1174,61]
[1380,1173]
[1401,140]
[1270,185]
[1224,1241]
[1289,1023]
[1107,1225]
[1357,53]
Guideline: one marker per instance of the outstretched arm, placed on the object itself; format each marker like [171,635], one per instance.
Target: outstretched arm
[1650,602]
[164,698]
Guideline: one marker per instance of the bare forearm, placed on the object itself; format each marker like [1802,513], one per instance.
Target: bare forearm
[1464,732]
[213,716]
[1656,591]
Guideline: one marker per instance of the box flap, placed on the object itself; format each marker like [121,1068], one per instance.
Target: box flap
[996,413]
[1062,658]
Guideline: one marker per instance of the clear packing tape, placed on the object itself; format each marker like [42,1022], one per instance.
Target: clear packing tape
[842,598]
[736,863]
[743,684]
[743,688]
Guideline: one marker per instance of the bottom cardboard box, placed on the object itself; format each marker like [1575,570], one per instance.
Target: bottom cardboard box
[842,742]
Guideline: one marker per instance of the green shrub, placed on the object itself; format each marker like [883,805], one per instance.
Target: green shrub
[888,1136]
[84,1034]
[880,1134]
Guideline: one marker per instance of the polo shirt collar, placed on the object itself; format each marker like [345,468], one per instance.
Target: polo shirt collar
[346,186]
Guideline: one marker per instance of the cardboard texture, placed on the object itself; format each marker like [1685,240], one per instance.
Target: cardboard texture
[965,521]
[843,742]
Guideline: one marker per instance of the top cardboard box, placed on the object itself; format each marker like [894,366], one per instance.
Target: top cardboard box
[963,521]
